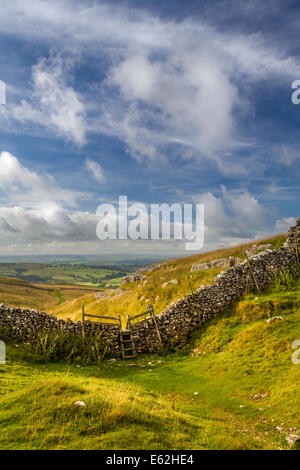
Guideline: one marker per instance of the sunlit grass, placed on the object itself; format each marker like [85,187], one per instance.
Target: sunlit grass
[203,398]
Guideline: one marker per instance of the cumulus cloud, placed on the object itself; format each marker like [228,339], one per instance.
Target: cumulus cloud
[188,96]
[95,169]
[282,225]
[49,222]
[233,217]
[19,185]
[52,103]
[35,213]
[246,207]
[35,210]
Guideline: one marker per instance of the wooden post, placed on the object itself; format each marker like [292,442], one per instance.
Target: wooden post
[82,322]
[151,310]
[253,276]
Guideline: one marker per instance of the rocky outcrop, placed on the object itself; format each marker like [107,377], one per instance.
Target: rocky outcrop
[139,275]
[254,249]
[200,267]
[216,263]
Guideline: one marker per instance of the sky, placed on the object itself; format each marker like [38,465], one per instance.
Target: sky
[161,101]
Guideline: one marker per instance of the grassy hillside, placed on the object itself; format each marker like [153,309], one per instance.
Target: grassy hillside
[19,293]
[137,295]
[80,274]
[234,388]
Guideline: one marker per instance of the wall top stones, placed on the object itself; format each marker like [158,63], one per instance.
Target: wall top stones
[293,238]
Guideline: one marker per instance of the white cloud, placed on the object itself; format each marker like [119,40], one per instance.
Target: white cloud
[19,185]
[188,95]
[37,215]
[95,169]
[52,103]
[35,210]
[246,207]
[233,218]
[179,82]
[49,222]
[282,225]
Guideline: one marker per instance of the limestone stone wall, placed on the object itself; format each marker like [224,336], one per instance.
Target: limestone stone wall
[23,324]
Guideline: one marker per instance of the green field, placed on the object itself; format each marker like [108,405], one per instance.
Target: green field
[234,387]
[18,293]
[71,273]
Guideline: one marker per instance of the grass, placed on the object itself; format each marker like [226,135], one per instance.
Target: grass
[70,273]
[230,389]
[19,293]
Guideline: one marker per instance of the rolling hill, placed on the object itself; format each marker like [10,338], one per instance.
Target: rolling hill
[132,298]
[234,387]
[19,293]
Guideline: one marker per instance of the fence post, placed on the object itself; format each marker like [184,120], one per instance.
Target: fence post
[82,323]
[253,276]
[151,311]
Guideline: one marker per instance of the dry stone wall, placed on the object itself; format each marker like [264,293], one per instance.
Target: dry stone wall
[293,239]
[24,324]
[187,314]
[176,324]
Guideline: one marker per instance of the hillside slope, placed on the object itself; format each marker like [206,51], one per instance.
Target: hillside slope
[235,387]
[133,297]
[19,293]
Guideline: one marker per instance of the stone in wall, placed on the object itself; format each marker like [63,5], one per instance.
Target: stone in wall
[139,274]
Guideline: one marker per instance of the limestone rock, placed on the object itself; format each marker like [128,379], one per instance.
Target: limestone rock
[166,284]
[271,320]
[200,267]
[292,439]
[80,404]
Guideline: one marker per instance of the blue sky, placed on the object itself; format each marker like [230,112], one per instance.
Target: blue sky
[162,101]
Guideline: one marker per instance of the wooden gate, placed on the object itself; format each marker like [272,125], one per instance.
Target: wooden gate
[117,319]
[149,312]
